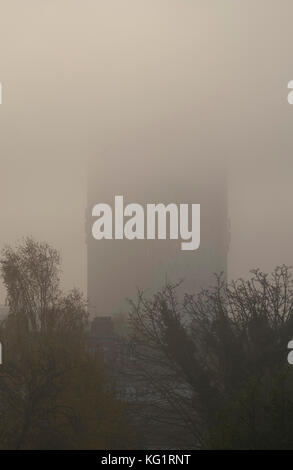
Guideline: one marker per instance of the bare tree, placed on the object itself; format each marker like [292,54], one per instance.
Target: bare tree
[54,394]
[197,355]
[31,277]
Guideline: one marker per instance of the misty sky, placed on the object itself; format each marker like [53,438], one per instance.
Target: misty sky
[74,72]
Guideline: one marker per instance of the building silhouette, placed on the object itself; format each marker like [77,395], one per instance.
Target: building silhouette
[155,169]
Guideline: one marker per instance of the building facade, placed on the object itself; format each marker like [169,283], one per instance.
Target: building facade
[170,169]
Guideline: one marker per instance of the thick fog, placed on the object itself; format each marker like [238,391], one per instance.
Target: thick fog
[81,76]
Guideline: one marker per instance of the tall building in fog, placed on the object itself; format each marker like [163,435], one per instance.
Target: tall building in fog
[167,169]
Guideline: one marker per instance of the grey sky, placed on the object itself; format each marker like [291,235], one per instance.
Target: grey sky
[74,71]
